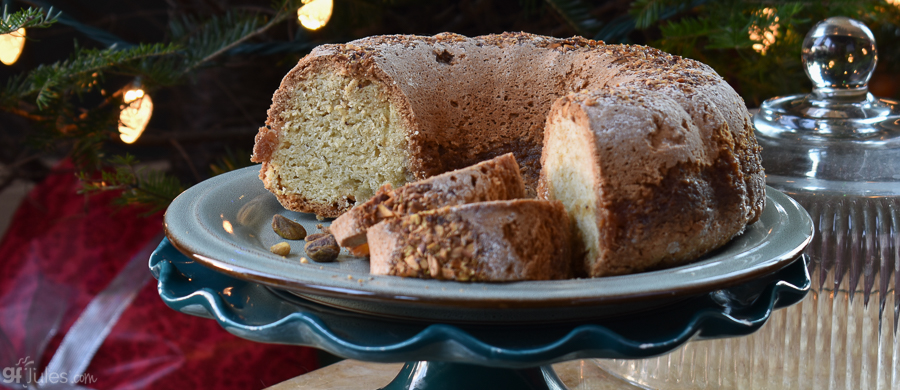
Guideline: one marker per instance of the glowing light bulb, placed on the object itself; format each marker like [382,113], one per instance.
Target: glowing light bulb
[765,35]
[135,115]
[315,13]
[11,46]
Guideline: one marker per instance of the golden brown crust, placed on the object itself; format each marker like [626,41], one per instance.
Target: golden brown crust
[303,205]
[495,179]
[266,142]
[523,239]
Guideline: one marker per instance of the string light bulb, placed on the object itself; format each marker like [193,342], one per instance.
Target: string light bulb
[765,35]
[11,46]
[135,113]
[315,13]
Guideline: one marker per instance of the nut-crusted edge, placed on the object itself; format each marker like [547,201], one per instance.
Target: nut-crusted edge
[521,239]
[495,179]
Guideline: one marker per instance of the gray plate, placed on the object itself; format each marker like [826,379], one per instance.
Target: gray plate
[225,223]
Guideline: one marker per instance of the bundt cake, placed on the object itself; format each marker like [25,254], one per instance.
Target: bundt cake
[521,239]
[632,140]
[494,179]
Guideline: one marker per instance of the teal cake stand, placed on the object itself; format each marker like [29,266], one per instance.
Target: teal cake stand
[460,356]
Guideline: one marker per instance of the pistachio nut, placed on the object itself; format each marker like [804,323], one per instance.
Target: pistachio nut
[323,249]
[287,229]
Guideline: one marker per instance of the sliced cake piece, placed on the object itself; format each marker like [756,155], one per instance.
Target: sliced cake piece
[495,179]
[646,184]
[522,239]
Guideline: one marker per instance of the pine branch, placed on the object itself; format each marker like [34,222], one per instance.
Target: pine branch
[617,30]
[104,37]
[577,15]
[735,34]
[27,18]
[681,35]
[209,40]
[197,44]
[139,186]
[60,121]
[230,161]
[719,34]
[646,12]
[203,43]
[49,82]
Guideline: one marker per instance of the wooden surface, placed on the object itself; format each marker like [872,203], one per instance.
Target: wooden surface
[357,375]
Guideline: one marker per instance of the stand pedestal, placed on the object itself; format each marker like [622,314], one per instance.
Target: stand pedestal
[424,375]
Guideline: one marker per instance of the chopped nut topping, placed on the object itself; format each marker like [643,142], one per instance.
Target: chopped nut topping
[433,266]
[281,249]
[383,212]
[437,246]
[411,261]
[362,250]
[448,273]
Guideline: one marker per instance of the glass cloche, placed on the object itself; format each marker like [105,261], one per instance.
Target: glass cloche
[837,152]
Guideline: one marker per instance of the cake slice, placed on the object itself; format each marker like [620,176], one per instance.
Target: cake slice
[497,241]
[495,179]
[646,184]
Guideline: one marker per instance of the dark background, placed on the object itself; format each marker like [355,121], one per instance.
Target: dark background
[209,120]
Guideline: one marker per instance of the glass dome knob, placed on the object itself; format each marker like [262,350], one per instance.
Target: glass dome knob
[839,56]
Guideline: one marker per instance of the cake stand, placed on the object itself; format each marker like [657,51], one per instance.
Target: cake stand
[215,263]
[467,356]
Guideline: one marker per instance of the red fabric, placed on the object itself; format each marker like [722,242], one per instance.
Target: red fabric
[61,249]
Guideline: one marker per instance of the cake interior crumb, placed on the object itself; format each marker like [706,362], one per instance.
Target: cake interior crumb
[341,140]
[568,153]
